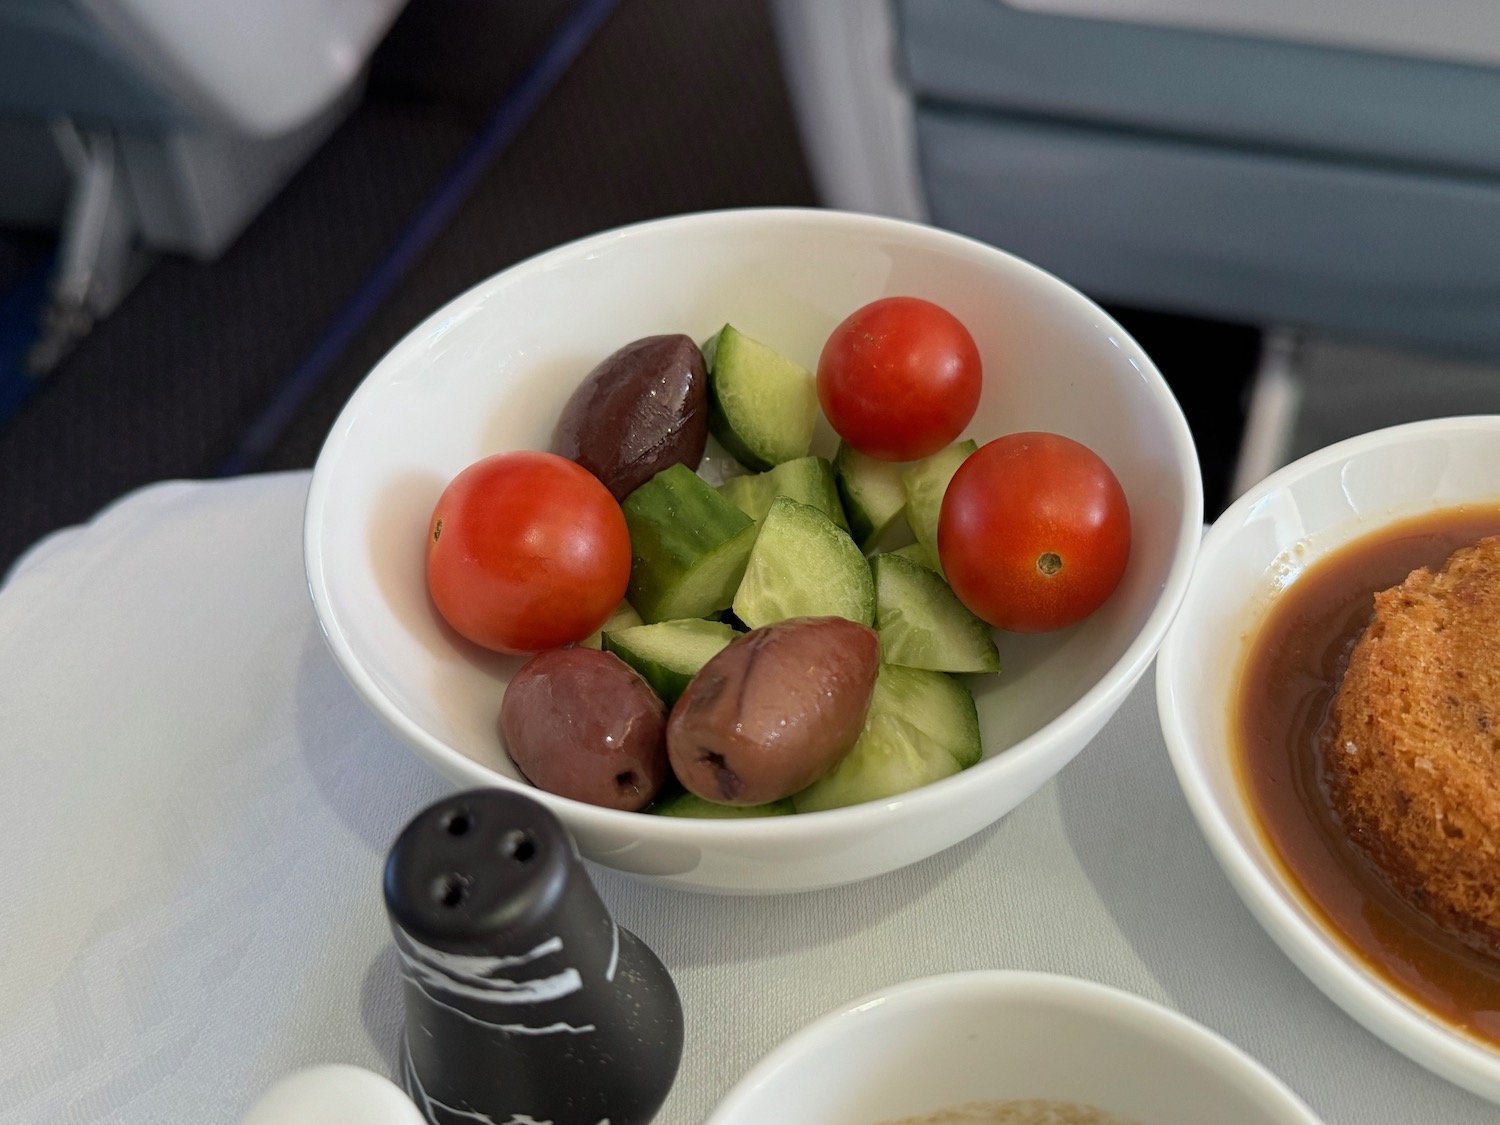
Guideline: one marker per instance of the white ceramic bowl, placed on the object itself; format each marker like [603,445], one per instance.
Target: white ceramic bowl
[334,1094]
[947,1041]
[492,370]
[1261,542]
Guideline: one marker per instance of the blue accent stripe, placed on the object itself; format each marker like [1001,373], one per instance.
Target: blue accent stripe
[20,323]
[514,110]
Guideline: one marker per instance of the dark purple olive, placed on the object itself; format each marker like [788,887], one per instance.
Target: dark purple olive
[774,711]
[583,724]
[642,409]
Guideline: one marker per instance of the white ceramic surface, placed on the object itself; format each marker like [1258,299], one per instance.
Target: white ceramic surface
[492,370]
[944,1041]
[335,1094]
[1255,548]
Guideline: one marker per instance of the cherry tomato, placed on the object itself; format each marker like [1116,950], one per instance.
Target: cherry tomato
[527,551]
[1034,532]
[899,379]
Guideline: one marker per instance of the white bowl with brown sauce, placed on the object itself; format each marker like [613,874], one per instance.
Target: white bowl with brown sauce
[492,371]
[1246,685]
[1007,1048]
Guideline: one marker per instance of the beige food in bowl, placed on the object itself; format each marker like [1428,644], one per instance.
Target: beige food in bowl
[1413,768]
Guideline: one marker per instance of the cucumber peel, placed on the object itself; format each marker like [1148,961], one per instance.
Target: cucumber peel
[668,654]
[922,624]
[915,552]
[623,617]
[803,565]
[691,805]
[873,495]
[921,727]
[807,480]
[762,406]
[926,483]
[688,546]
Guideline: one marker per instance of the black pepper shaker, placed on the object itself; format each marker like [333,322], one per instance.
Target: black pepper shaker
[525,1001]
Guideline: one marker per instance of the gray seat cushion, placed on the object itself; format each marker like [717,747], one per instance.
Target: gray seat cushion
[1248,235]
[1283,96]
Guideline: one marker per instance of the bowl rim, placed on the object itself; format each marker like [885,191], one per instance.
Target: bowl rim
[1001,986]
[1102,698]
[1277,903]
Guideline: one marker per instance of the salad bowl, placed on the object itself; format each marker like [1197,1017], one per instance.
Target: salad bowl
[491,371]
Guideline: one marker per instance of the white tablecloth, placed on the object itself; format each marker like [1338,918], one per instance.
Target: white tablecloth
[194,811]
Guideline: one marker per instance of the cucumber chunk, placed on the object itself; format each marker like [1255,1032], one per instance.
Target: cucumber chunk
[926,481]
[690,804]
[942,709]
[623,617]
[921,727]
[688,546]
[669,653]
[922,623]
[807,480]
[915,552]
[761,406]
[802,565]
[873,495]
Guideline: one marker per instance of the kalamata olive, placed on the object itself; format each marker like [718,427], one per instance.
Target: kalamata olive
[583,724]
[640,410]
[775,710]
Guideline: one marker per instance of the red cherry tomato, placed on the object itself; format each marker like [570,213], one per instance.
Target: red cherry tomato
[899,379]
[1034,532]
[527,551]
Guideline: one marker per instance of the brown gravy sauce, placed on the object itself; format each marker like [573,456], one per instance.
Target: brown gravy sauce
[1027,1111]
[1287,686]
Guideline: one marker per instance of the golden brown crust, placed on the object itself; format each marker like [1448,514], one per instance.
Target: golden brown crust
[1413,768]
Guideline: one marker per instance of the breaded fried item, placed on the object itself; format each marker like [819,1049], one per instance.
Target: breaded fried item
[1413,768]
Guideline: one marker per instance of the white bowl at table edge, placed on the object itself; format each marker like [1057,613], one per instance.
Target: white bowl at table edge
[1200,753]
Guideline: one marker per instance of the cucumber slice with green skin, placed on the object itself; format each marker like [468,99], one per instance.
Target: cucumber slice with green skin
[688,546]
[761,406]
[872,492]
[915,552]
[623,617]
[926,481]
[669,653]
[921,727]
[804,566]
[922,623]
[690,804]
[807,480]
[942,709]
